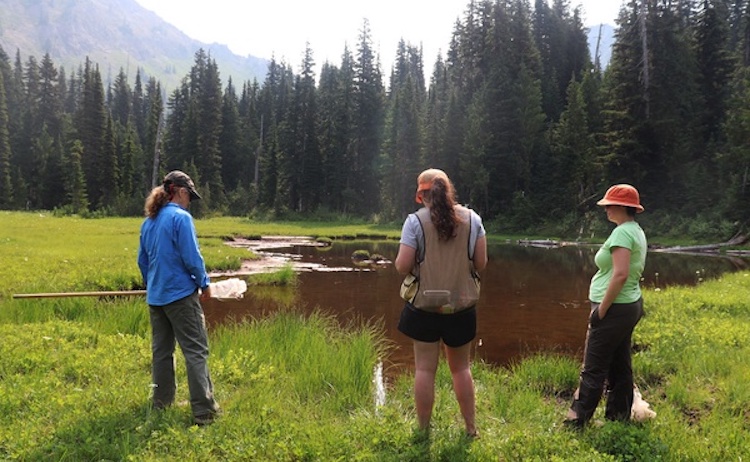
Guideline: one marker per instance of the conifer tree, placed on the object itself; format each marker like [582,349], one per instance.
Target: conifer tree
[91,126]
[122,100]
[76,179]
[250,128]
[435,126]
[572,173]
[401,159]
[153,140]
[208,96]
[367,125]
[735,165]
[273,106]
[50,98]
[139,111]
[714,64]
[303,151]
[6,187]
[335,107]
[234,165]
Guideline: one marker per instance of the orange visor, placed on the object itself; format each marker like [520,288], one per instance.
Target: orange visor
[426,186]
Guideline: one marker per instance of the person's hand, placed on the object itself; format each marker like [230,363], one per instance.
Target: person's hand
[205,293]
[602,312]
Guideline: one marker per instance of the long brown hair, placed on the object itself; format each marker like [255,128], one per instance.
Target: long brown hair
[441,198]
[158,198]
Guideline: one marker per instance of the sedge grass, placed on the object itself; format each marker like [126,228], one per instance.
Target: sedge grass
[75,375]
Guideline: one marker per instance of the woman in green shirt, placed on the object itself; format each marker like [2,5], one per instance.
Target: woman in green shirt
[616,308]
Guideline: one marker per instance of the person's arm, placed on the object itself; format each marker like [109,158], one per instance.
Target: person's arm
[191,254]
[405,259]
[620,270]
[143,261]
[480,253]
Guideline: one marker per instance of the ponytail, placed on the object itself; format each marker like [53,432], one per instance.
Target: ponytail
[158,198]
[439,193]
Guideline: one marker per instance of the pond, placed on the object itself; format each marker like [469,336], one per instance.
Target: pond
[532,299]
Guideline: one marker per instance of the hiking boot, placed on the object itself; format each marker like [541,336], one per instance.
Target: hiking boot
[574,424]
[205,419]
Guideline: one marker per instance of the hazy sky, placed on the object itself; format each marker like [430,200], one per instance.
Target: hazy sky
[280,28]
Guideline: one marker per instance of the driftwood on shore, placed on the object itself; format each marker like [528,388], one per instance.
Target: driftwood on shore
[538,242]
[738,239]
[705,249]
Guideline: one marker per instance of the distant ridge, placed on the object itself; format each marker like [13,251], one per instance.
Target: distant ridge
[114,34]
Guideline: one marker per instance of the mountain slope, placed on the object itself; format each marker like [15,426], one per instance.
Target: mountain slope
[114,34]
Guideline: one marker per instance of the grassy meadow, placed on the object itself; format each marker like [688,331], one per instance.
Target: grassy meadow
[75,372]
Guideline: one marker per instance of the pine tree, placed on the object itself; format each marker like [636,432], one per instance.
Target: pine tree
[139,111]
[367,125]
[154,127]
[436,108]
[76,179]
[92,125]
[235,164]
[401,160]
[735,165]
[573,176]
[306,172]
[335,112]
[251,126]
[714,64]
[208,159]
[122,100]
[6,187]
[273,105]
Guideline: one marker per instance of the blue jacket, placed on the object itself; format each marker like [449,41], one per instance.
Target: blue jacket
[169,257]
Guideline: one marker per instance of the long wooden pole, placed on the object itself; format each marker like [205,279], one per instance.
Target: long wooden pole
[102,293]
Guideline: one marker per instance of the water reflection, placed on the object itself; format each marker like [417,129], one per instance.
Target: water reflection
[532,298]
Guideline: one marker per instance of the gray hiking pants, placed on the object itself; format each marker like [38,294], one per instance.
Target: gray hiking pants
[181,321]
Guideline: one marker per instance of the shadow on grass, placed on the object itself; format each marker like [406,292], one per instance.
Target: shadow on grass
[425,447]
[108,437]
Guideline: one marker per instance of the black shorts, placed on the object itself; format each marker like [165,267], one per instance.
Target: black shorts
[455,329]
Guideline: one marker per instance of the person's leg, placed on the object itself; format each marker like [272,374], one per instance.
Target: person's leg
[605,339]
[190,330]
[620,379]
[600,342]
[162,359]
[620,384]
[459,361]
[426,356]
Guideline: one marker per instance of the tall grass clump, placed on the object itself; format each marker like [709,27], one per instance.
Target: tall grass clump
[321,361]
[285,276]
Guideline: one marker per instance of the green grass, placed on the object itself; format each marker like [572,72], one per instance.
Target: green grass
[75,373]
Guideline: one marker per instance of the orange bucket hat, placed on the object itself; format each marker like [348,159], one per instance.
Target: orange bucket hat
[425,180]
[423,186]
[622,194]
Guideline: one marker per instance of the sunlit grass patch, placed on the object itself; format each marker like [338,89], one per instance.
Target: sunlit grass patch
[285,276]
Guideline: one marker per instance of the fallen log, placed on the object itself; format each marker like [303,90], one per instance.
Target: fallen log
[738,239]
[538,242]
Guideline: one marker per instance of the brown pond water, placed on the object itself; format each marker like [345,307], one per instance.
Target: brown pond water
[532,299]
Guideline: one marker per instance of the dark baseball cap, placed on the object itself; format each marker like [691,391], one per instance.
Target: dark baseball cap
[180,179]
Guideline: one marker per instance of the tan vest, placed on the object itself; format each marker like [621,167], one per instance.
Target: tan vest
[447,279]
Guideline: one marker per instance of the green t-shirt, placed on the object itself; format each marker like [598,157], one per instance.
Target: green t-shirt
[628,235]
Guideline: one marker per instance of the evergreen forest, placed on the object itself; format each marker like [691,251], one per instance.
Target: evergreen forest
[531,128]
